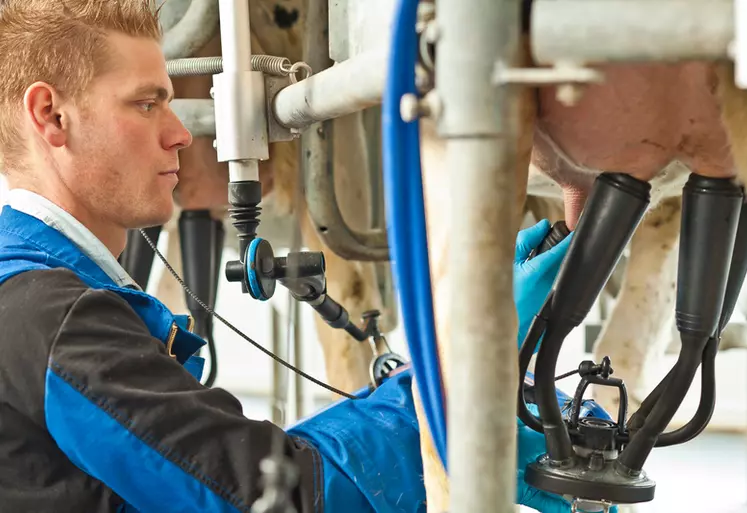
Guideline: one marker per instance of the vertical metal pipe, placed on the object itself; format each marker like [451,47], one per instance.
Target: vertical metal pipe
[239,102]
[480,121]
[298,381]
[483,370]
[236,45]
[277,407]
[472,36]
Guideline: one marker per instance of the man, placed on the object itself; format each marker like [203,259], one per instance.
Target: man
[102,410]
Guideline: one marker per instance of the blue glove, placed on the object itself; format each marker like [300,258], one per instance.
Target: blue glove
[533,279]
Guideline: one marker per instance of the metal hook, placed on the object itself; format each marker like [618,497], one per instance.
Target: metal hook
[298,66]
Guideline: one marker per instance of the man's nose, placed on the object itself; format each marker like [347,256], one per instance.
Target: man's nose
[178,137]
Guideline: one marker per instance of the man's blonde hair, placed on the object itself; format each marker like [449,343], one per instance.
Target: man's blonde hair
[62,43]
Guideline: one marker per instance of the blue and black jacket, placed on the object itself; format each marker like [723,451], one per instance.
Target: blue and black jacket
[101,409]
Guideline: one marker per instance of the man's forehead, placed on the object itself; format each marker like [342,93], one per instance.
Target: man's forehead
[138,66]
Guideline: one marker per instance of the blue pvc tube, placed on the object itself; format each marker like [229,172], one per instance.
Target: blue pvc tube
[406,225]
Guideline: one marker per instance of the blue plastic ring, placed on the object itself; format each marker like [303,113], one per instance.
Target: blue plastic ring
[251,272]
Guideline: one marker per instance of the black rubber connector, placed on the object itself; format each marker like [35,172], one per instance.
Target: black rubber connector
[555,236]
[710,213]
[244,198]
[612,212]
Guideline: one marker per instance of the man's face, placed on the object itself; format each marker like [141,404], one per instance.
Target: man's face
[123,143]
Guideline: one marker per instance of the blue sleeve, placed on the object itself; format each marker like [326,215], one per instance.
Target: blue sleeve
[370,450]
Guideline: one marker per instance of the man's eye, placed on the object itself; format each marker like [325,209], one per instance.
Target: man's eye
[147,107]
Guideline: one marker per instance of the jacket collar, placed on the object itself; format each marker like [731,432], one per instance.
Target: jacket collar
[54,216]
[24,238]
[19,232]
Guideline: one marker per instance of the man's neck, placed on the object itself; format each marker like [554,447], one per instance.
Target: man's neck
[112,236]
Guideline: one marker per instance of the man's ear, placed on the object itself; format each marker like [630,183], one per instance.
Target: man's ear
[43,109]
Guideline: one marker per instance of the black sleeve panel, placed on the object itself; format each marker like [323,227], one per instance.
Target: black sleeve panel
[33,306]
[105,351]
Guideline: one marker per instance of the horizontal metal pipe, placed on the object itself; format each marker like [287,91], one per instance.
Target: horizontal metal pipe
[197,115]
[345,88]
[631,30]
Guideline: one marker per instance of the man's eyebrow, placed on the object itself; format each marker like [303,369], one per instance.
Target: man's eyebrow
[160,92]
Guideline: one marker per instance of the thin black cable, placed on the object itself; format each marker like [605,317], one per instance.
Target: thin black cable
[238,331]
[213,354]
[567,374]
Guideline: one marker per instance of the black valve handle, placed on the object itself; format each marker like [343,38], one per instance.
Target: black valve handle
[555,236]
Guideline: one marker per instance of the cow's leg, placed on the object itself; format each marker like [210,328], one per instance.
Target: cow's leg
[735,334]
[633,336]
[438,211]
[353,285]
[734,115]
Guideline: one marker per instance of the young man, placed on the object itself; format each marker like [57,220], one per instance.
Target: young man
[101,409]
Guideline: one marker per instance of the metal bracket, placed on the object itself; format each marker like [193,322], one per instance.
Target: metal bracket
[275,131]
[570,78]
[578,505]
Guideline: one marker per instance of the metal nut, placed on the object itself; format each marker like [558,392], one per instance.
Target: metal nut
[409,107]
[412,108]
[569,94]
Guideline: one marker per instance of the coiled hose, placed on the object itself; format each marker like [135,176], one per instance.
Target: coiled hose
[406,228]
